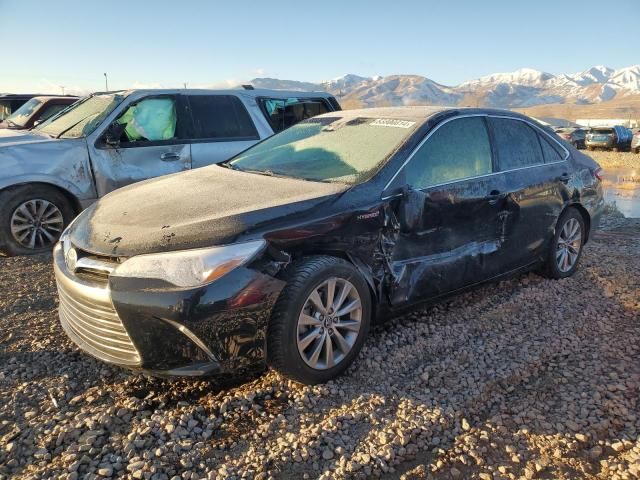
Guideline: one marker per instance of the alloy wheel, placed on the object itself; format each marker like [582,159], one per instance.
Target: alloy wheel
[36,224]
[569,244]
[329,323]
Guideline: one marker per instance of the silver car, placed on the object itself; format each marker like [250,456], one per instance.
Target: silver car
[109,140]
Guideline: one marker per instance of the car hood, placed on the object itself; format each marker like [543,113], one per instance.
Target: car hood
[200,208]
[9,136]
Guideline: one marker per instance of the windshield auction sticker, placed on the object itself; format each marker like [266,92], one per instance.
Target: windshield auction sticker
[388,122]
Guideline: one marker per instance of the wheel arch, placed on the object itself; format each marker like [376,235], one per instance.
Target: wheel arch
[74,201]
[586,217]
[359,266]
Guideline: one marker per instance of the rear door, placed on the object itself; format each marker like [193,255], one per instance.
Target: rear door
[457,240]
[152,143]
[535,174]
[222,127]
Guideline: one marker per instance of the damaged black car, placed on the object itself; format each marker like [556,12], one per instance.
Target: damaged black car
[288,253]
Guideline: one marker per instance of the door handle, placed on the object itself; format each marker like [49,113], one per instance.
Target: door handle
[564,178]
[169,157]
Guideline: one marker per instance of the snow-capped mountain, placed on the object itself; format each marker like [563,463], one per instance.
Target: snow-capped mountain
[524,76]
[522,88]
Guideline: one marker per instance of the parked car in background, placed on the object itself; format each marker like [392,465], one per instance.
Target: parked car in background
[616,138]
[10,102]
[109,140]
[575,136]
[288,252]
[635,142]
[36,110]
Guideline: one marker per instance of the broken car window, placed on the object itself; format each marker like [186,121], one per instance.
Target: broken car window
[82,118]
[152,119]
[517,144]
[457,150]
[284,113]
[327,149]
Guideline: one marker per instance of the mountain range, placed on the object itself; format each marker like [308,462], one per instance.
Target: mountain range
[520,89]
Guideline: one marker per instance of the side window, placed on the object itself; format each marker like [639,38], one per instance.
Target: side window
[221,117]
[284,113]
[517,144]
[458,149]
[550,152]
[149,120]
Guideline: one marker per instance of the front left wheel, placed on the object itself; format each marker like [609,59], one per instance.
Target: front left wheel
[32,217]
[320,320]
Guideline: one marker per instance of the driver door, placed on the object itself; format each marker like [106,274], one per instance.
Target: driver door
[147,140]
[457,213]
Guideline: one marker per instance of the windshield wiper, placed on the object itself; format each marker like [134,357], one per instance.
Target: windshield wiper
[267,173]
[67,129]
[13,123]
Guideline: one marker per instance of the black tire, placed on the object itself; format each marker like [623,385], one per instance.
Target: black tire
[551,267]
[12,198]
[302,278]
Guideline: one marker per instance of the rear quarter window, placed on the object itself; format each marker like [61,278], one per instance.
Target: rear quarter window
[284,113]
[551,150]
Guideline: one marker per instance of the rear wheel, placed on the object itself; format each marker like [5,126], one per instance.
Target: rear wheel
[320,320]
[32,217]
[566,247]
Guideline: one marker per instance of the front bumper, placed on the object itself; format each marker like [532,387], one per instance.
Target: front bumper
[217,328]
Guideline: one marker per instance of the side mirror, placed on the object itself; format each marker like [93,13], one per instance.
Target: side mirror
[411,209]
[113,134]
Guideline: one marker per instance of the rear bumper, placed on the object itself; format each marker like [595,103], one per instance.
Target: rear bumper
[217,328]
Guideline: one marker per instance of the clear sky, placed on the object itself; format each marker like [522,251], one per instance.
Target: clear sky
[49,43]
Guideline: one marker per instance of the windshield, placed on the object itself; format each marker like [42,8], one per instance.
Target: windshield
[327,149]
[82,118]
[20,117]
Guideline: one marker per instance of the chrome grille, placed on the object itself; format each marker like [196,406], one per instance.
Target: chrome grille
[88,317]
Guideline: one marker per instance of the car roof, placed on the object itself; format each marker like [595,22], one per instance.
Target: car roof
[257,92]
[56,97]
[19,96]
[420,113]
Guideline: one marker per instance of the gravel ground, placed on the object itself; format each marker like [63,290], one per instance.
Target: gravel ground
[529,378]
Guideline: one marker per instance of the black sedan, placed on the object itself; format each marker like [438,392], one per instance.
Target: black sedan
[286,254]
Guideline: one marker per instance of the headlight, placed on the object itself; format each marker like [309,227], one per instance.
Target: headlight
[190,268]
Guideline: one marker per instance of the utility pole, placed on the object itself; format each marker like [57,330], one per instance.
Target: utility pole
[106,82]
[185,85]
[62,87]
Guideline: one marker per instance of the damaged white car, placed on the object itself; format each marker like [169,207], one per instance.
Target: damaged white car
[109,140]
